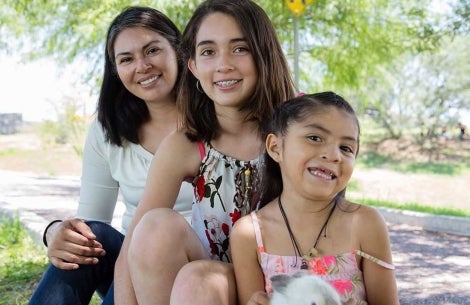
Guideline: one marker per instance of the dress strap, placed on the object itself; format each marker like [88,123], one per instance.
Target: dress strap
[374,259]
[202,149]
[259,240]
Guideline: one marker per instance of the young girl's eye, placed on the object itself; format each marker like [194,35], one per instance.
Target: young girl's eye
[314,138]
[347,149]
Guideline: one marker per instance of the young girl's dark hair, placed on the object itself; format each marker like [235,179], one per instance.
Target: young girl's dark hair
[120,112]
[274,79]
[296,110]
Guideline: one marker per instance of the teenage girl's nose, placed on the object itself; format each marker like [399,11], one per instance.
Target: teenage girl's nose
[143,65]
[224,63]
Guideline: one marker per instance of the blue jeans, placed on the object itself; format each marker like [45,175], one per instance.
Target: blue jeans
[76,287]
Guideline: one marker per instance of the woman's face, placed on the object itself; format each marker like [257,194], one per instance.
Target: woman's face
[146,64]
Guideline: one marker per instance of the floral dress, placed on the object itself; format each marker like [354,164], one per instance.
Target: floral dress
[225,189]
[340,270]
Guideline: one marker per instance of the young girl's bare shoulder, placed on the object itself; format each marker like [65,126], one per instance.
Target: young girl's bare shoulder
[365,219]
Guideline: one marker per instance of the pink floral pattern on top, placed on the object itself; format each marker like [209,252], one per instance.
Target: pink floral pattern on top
[220,199]
[340,270]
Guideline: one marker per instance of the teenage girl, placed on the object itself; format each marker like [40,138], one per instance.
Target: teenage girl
[305,221]
[236,75]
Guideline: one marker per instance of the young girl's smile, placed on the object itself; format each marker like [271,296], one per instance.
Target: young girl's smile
[223,62]
[318,153]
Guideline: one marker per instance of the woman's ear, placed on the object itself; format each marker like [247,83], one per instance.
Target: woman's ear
[274,147]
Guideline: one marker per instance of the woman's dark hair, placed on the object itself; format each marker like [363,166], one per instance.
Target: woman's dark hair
[120,112]
[296,110]
[274,78]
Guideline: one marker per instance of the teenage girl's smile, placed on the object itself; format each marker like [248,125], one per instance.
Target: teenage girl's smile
[223,62]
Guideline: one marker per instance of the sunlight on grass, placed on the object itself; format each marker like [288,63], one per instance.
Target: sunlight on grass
[22,262]
[371,160]
[416,208]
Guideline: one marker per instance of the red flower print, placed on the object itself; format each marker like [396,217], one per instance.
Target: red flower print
[318,267]
[225,228]
[235,216]
[342,286]
[200,183]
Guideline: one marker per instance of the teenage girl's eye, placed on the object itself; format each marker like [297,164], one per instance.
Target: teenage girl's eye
[206,52]
[241,50]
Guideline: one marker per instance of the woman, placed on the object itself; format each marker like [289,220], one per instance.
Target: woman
[136,110]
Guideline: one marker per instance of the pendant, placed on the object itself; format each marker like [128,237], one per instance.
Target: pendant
[312,252]
[304,265]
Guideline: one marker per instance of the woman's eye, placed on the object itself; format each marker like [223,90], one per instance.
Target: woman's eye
[124,60]
[153,50]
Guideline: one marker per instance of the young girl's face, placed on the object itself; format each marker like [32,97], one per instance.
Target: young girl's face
[317,154]
[223,62]
[146,64]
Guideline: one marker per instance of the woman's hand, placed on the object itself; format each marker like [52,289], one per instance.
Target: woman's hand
[71,243]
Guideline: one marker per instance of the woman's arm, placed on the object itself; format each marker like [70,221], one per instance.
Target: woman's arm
[248,273]
[72,242]
[175,160]
[379,282]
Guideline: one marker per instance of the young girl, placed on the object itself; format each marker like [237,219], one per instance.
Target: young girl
[236,75]
[305,221]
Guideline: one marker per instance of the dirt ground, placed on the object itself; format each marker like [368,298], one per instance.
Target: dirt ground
[24,152]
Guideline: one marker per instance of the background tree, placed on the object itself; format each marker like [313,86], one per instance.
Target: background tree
[391,57]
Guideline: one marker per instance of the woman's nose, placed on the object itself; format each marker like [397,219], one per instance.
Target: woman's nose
[143,65]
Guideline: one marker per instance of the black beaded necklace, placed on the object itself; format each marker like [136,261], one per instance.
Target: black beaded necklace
[313,250]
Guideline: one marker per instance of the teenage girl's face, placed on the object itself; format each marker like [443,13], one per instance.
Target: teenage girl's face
[223,62]
[317,155]
[146,64]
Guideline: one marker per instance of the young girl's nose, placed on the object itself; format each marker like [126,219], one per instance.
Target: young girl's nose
[331,153]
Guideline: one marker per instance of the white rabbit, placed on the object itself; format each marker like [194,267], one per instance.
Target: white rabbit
[302,289]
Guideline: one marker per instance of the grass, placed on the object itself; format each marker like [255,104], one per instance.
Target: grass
[371,160]
[416,208]
[22,262]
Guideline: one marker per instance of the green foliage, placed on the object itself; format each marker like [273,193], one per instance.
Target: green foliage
[70,128]
[402,63]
